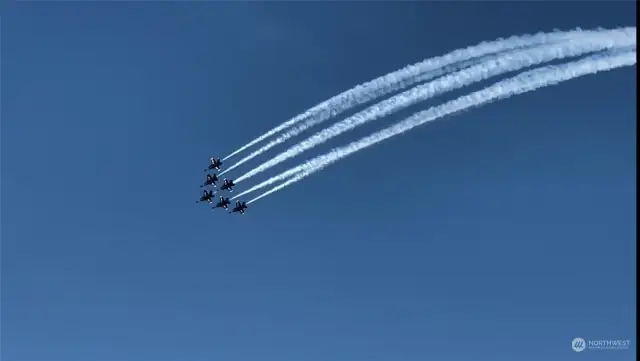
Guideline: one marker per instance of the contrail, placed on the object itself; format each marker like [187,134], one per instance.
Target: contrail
[280,177]
[525,82]
[497,65]
[413,74]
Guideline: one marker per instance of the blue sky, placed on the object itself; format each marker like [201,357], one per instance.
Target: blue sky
[499,234]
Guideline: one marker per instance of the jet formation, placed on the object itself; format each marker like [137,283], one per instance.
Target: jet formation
[227,185]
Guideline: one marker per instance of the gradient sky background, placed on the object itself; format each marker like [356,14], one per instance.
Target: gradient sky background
[499,234]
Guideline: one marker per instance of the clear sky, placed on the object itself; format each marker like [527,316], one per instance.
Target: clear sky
[499,234]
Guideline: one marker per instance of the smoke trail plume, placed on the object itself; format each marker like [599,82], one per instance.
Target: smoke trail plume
[525,82]
[411,75]
[494,66]
[280,177]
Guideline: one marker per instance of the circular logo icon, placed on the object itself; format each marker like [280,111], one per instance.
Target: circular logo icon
[578,344]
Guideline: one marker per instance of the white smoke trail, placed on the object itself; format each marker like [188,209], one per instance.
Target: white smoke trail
[413,74]
[280,177]
[497,65]
[525,82]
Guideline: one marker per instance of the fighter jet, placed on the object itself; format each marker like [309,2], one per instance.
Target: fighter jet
[228,184]
[206,197]
[240,207]
[223,203]
[211,180]
[214,164]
